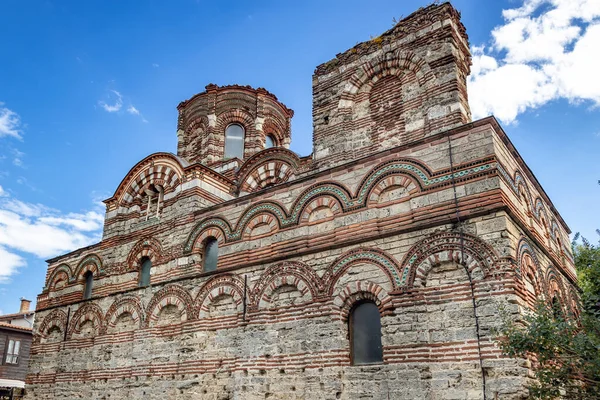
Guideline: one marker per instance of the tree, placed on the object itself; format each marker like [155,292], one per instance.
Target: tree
[564,348]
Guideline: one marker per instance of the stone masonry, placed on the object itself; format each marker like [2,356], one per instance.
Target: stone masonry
[405,202]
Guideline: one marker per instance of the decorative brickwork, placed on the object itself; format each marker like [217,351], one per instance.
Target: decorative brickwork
[146,248]
[379,213]
[88,313]
[127,305]
[204,118]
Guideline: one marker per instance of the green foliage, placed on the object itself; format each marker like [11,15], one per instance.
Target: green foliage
[565,349]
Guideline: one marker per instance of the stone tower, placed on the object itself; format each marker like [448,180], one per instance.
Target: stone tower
[404,85]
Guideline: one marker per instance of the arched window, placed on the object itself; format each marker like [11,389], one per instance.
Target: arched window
[155,195]
[211,254]
[144,279]
[89,283]
[556,309]
[234,141]
[269,142]
[365,334]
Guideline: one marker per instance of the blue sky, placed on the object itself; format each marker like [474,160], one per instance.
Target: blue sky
[88,88]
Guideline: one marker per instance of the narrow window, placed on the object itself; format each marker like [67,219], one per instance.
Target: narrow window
[211,254]
[145,272]
[234,141]
[365,334]
[269,142]
[155,195]
[12,352]
[556,310]
[89,283]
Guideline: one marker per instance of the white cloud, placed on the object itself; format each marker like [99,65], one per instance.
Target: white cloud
[155,65]
[18,157]
[9,263]
[41,231]
[118,103]
[10,123]
[546,50]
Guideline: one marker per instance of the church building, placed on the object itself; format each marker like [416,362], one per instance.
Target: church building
[373,268]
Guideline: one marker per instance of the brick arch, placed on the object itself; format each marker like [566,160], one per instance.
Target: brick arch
[200,122]
[416,172]
[554,231]
[275,127]
[360,291]
[234,116]
[319,202]
[200,241]
[64,271]
[273,154]
[292,273]
[87,312]
[163,169]
[171,294]
[56,318]
[524,249]
[480,258]
[391,181]
[263,207]
[333,189]
[540,212]
[228,284]
[194,240]
[144,248]
[524,192]
[91,263]
[574,302]
[128,304]
[189,135]
[554,285]
[391,64]
[257,221]
[268,173]
[361,255]
[527,263]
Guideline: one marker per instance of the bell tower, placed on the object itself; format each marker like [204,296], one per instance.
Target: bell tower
[404,85]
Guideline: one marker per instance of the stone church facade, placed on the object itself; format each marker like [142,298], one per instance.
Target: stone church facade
[236,269]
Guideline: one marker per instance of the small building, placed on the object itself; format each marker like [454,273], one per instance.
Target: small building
[24,318]
[15,342]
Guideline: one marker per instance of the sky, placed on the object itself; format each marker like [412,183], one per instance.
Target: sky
[89,88]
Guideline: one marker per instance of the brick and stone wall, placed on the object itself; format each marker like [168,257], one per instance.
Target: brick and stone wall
[401,86]
[438,229]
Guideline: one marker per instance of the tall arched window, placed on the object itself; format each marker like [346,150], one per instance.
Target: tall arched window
[365,334]
[211,254]
[234,141]
[144,279]
[269,142]
[88,285]
[155,195]
[556,308]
